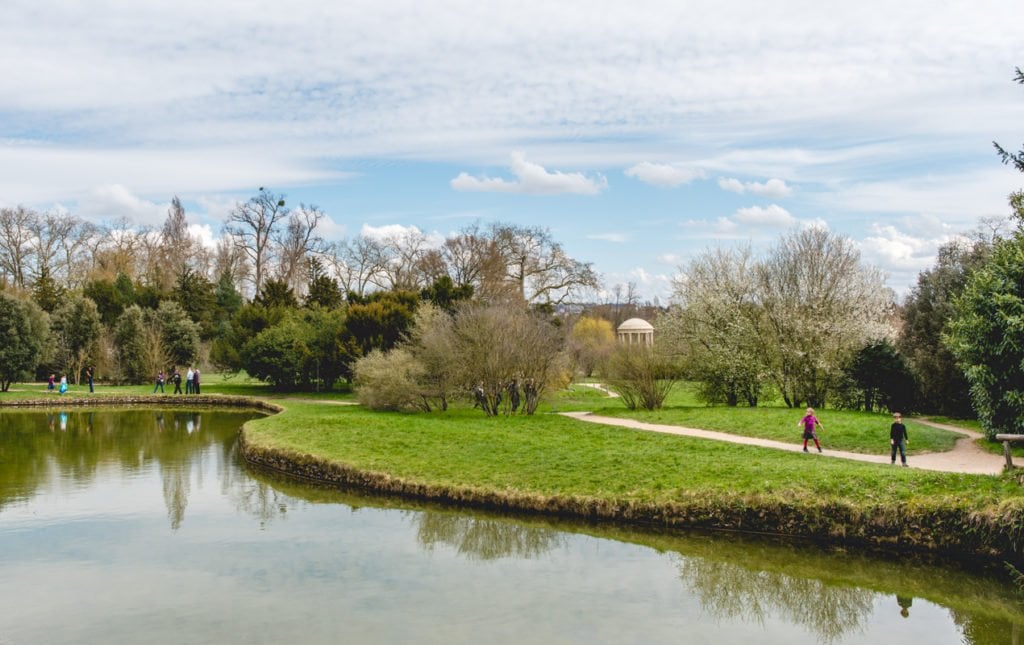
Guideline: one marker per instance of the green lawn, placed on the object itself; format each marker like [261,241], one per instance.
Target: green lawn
[554,455]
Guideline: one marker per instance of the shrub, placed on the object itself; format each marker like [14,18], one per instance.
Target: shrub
[390,381]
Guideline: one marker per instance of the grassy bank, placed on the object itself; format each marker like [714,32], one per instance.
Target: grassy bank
[553,464]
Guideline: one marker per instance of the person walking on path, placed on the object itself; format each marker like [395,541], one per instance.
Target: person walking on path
[177,381]
[63,383]
[809,422]
[159,382]
[898,439]
[189,375]
[88,375]
[50,384]
[195,381]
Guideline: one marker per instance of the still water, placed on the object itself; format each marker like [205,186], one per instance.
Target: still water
[143,526]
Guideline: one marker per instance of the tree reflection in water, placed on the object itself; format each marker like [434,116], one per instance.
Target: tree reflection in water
[481,538]
[731,591]
[259,499]
[78,444]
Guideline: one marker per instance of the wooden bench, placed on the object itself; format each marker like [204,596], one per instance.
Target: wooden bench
[1006,439]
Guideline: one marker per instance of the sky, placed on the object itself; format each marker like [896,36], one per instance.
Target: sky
[641,134]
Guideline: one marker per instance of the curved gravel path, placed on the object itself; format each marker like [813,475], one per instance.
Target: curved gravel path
[965,457]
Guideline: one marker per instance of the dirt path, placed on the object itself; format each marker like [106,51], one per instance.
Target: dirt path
[965,457]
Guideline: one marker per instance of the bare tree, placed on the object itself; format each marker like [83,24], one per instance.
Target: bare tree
[356,263]
[151,262]
[80,251]
[253,225]
[539,267]
[229,260]
[296,243]
[473,258]
[503,353]
[46,242]
[431,341]
[177,246]
[16,249]
[404,259]
[116,249]
[59,246]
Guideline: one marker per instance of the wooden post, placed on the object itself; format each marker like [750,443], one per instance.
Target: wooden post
[1006,439]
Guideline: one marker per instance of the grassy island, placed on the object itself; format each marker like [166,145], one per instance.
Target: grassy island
[552,464]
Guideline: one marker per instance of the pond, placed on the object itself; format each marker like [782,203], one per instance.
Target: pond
[144,526]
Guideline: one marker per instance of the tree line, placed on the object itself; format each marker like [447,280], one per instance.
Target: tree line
[272,296]
[416,323]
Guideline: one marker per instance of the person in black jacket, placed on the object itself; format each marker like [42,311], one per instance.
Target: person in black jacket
[898,438]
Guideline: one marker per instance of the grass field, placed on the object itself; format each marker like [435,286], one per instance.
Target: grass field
[552,454]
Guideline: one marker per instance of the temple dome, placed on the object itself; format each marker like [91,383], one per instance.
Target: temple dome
[636,324]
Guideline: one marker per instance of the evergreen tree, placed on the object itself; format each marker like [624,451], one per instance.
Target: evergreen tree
[323,290]
[23,331]
[943,389]
[883,377]
[46,292]
[130,343]
[196,295]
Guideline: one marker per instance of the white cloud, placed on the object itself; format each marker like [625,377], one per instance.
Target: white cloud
[331,230]
[115,201]
[39,173]
[609,237]
[532,179]
[957,200]
[640,275]
[773,216]
[388,231]
[204,233]
[902,255]
[895,249]
[721,226]
[664,175]
[774,188]
[217,207]
[732,185]
[672,259]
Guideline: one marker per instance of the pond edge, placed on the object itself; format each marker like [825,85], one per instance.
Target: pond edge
[994,534]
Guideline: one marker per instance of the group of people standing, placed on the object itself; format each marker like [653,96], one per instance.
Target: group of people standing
[898,437]
[191,381]
[51,383]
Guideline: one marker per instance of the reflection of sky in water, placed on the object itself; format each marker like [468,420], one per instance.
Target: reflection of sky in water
[98,562]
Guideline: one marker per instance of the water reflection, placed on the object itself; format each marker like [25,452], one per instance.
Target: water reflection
[834,595]
[75,446]
[481,538]
[728,590]
[190,459]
